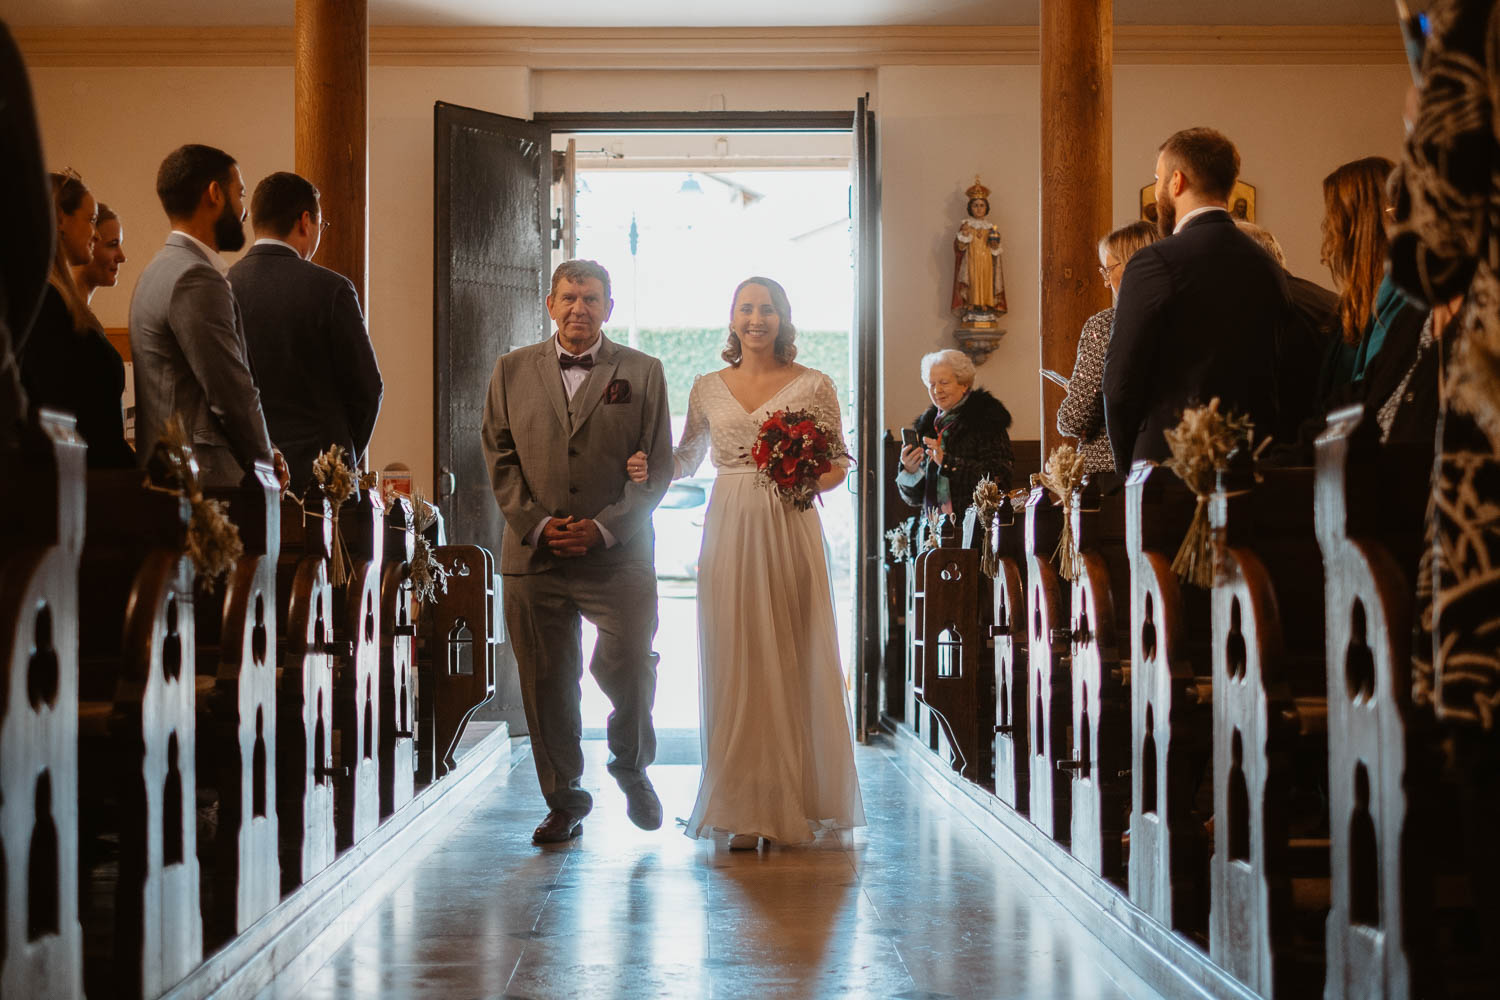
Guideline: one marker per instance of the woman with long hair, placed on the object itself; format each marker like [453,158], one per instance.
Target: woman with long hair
[103,267]
[66,362]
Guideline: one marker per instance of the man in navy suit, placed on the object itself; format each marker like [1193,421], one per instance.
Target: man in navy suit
[1200,314]
[316,369]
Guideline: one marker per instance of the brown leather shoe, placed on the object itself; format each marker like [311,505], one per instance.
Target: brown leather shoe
[559,827]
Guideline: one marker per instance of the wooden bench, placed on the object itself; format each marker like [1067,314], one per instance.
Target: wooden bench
[304,693]
[456,664]
[1270,865]
[1050,713]
[1100,764]
[356,672]
[1171,721]
[137,737]
[236,650]
[41,539]
[398,677]
[1008,631]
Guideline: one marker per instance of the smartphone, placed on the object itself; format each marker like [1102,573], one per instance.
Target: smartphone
[1414,34]
[909,438]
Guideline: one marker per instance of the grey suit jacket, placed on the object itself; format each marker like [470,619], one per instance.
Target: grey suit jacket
[550,458]
[187,342]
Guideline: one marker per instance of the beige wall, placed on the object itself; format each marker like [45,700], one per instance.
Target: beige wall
[938,127]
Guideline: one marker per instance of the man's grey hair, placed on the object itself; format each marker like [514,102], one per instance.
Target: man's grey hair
[1264,238]
[957,361]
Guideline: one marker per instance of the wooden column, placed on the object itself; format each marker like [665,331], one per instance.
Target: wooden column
[332,69]
[1077,58]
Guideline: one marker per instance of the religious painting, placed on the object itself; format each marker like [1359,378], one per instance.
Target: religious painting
[1241,202]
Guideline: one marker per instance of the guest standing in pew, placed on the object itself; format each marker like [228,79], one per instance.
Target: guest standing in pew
[1081,413]
[187,339]
[67,363]
[1445,249]
[1200,311]
[103,267]
[965,437]
[1379,325]
[313,361]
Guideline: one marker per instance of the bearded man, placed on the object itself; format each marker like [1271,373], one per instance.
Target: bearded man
[1200,312]
[187,338]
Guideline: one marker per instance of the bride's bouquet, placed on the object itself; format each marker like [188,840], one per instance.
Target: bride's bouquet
[790,452]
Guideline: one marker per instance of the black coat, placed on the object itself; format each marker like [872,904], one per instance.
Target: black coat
[974,446]
[1200,315]
[314,365]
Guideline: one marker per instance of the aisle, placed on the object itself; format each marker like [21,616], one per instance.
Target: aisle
[918,905]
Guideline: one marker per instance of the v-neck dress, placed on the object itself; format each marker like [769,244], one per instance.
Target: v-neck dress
[778,755]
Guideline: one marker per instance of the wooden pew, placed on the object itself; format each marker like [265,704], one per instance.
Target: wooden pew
[953,679]
[1012,761]
[398,677]
[895,514]
[457,659]
[1171,721]
[1391,822]
[137,738]
[304,693]
[1050,712]
[1270,865]
[41,539]
[1100,763]
[356,672]
[236,647]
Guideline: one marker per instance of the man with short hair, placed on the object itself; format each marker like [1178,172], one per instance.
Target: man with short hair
[1200,313]
[562,418]
[319,381]
[187,340]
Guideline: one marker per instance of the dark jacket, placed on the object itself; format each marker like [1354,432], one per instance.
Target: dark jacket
[1200,315]
[1310,334]
[975,445]
[313,361]
[79,371]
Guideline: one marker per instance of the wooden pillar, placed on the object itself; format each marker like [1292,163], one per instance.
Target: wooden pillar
[332,69]
[1077,59]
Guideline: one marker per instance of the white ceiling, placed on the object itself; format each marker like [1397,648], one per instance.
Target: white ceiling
[685,13]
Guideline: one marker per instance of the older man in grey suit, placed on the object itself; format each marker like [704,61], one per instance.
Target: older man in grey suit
[562,418]
[187,340]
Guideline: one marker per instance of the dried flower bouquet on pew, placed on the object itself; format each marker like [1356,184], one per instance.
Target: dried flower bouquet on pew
[428,576]
[1201,444]
[1062,476]
[791,451]
[988,499]
[213,541]
[336,479]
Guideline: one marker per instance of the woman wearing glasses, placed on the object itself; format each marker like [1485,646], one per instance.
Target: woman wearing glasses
[1081,414]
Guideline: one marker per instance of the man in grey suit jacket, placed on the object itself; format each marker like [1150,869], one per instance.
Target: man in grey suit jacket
[562,418]
[318,378]
[187,340]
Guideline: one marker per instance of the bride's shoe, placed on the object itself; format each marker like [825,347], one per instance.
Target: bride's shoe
[743,842]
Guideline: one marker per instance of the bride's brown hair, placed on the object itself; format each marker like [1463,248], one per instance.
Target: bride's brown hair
[786,349]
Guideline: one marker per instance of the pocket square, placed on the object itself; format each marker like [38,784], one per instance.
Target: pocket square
[618,391]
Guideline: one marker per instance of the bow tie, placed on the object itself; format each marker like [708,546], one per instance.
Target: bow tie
[567,361]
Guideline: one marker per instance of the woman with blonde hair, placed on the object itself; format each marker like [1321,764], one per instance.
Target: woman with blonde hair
[1081,414]
[67,363]
[103,267]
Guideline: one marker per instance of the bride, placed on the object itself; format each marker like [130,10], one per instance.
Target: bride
[778,759]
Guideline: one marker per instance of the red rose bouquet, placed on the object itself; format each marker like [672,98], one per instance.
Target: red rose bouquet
[790,452]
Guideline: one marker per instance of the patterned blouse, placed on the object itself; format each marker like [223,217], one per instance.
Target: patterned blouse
[1081,414]
[1445,241]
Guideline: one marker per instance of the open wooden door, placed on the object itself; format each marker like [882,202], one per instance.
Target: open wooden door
[491,250]
[869,472]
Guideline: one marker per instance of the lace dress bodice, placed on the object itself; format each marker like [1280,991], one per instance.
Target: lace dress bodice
[719,425]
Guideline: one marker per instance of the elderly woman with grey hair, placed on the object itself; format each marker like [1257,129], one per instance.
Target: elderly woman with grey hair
[964,438]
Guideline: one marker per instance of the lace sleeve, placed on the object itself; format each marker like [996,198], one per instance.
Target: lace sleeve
[1081,413]
[828,411]
[688,454]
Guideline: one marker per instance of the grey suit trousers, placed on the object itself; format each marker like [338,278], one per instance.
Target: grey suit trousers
[544,612]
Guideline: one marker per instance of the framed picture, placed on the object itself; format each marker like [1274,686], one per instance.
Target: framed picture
[1241,202]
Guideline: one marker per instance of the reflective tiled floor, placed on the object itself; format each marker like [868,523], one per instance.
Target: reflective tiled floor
[917,905]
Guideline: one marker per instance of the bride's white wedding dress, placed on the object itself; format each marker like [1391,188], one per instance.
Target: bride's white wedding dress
[778,756]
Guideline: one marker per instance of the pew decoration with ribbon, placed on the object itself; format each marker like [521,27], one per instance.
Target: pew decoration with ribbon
[333,474]
[213,541]
[988,499]
[1201,444]
[428,576]
[899,541]
[934,526]
[1062,476]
